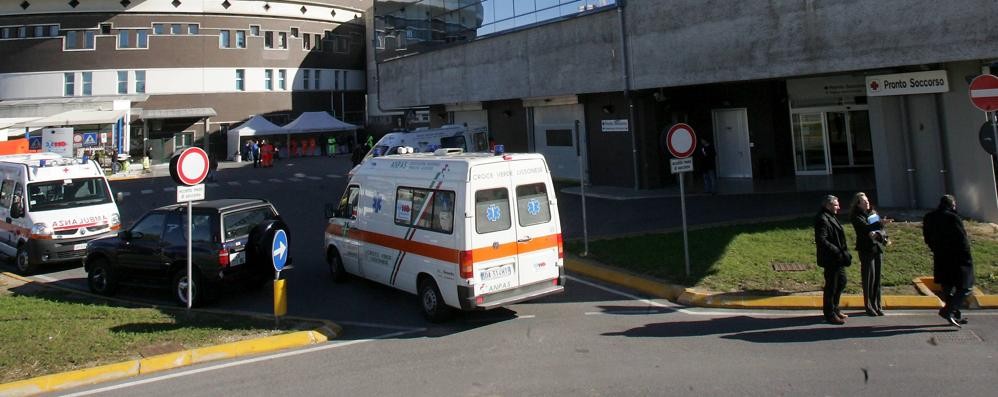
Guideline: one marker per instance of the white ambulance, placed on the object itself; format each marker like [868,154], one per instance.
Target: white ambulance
[50,207]
[471,231]
[430,139]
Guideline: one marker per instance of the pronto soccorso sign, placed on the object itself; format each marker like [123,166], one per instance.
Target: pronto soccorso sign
[930,82]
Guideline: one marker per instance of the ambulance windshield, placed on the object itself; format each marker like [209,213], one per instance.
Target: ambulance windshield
[68,193]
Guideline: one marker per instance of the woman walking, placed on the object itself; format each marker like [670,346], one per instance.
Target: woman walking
[870,241]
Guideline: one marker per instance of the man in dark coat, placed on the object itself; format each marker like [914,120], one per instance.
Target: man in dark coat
[833,256]
[708,160]
[953,268]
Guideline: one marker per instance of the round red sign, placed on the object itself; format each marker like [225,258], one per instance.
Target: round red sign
[681,140]
[984,92]
[190,167]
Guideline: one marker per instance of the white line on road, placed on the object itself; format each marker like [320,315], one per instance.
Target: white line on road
[333,176]
[275,180]
[330,345]
[213,184]
[169,189]
[234,183]
[147,191]
[314,178]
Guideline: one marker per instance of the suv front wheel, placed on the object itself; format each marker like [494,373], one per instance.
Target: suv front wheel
[180,286]
[100,279]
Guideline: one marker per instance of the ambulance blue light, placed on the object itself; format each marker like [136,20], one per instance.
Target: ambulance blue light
[499,150]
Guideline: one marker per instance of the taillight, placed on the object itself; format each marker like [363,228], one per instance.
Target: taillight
[467,264]
[561,247]
[223,257]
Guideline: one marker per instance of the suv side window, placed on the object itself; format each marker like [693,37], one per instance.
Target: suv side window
[151,226]
[175,232]
[240,223]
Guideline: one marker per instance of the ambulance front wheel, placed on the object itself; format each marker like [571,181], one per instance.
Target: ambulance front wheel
[434,308]
[23,261]
[336,270]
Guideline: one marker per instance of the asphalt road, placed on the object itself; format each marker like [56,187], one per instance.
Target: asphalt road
[592,340]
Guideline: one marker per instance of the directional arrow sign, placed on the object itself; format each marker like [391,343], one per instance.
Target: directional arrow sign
[279,249]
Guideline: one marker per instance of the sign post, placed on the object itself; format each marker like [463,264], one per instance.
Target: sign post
[189,168]
[279,258]
[582,189]
[984,95]
[682,142]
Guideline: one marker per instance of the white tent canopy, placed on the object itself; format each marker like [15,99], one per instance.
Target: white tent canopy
[316,122]
[256,125]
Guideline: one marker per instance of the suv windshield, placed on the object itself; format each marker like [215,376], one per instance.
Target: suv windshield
[240,223]
[69,193]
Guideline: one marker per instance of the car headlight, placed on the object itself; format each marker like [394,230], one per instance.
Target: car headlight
[115,219]
[41,229]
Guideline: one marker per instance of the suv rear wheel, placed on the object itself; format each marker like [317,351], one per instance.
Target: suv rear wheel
[180,285]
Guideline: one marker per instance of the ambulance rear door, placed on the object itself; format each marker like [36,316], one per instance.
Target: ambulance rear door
[493,236]
[535,221]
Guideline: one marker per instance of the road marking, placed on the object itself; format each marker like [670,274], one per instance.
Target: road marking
[314,178]
[294,179]
[169,189]
[147,191]
[254,182]
[333,176]
[275,180]
[234,183]
[326,346]
[213,184]
[126,194]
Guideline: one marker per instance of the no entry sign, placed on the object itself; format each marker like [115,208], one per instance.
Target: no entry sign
[681,140]
[190,167]
[984,92]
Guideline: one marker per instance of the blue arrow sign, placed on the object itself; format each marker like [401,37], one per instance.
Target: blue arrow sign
[279,249]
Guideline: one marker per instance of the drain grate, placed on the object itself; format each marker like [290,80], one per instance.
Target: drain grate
[955,337]
[792,267]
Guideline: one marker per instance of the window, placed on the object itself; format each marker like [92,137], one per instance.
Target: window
[149,228]
[306,79]
[122,81]
[558,138]
[158,28]
[88,39]
[268,79]
[306,43]
[6,193]
[193,28]
[223,39]
[176,29]
[318,79]
[140,81]
[425,209]
[532,206]
[336,80]
[282,76]
[70,193]
[53,30]
[268,40]
[142,38]
[105,28]
[39,31]
[238,224]
[294,32]
[72,41]
[282,40]
[122,39]
[240,39]
[69,84]
[492,210]
[240,79]
[88,83]
[342,45]
[6,32]
[254,30]
[318,42]
[348,203]
[22,32]
[175,233]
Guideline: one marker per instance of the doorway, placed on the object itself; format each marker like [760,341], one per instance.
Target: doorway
[831,138]
[731,140]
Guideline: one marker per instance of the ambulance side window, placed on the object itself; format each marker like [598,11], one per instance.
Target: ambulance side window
[425,209]
[532,206]
[492,210]
[348,203]
[6,193]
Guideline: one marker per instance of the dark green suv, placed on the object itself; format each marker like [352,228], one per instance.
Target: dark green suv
[230,242]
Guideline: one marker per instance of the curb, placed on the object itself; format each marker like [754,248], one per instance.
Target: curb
[129,368]
[691,297]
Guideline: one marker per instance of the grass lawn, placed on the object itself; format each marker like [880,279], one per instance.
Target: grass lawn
[741,257]
[49,331]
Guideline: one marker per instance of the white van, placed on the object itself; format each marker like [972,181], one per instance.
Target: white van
[430,139]
[51,207]
[471,231]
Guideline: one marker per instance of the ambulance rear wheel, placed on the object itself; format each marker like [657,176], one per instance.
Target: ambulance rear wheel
[336,270]
[23,261]
[432,303]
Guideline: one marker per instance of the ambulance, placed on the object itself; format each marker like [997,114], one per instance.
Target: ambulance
[468,231]
[50,207]
[430,139]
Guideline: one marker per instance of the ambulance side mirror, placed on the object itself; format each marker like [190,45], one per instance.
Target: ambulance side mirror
[331,211]
[16,209]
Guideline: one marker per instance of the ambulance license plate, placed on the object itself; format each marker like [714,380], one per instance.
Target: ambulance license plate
[78,247]
[495,273]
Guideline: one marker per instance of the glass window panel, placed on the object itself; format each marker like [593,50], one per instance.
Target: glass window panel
[282,76]
[176,29]
[142,38]
[193,28]
[158,28]
[53,30]
[223,38]
[88,39]
[72,41]
[492,210]
[122,81]
[88,81]
[140,81]
[122,39]
[69,84]
[255,30]
[150,227]
[240,77]
[241,39]
[268,79]
[532,206]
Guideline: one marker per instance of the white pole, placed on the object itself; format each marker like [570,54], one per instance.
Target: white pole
[582,188]
[682,204]
[190,278]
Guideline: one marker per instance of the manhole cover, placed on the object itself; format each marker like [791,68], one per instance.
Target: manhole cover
[955,337]
[792,267]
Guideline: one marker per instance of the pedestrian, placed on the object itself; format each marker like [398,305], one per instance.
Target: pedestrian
[255,149]
[952,265]
[358,154]
[833,256]
[870,241]
[247,152]
[708,160]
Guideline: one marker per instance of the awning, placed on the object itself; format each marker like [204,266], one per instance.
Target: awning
[75,117]
[12,121]
[191,113]
[316,122]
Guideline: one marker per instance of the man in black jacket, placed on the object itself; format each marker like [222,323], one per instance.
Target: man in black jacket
[833,255]
[953,268]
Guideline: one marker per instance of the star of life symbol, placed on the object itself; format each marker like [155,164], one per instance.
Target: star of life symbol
[493,213]
[534,207]
[377,204]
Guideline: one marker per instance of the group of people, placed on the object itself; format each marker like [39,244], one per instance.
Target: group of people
[261,153]
[942,231]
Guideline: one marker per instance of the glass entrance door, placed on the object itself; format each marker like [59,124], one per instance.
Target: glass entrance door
[849,138]
[810,151]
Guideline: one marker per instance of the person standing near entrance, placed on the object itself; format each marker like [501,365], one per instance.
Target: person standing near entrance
[255,148]
[708,166]
[870,240]
[833,256]
[952,265]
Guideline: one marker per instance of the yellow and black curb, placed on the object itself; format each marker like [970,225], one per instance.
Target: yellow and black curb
[691,297]
[126,369]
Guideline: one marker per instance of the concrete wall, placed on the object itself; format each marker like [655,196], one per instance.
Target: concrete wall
[687,42]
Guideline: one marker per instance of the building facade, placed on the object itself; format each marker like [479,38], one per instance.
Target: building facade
[181,70]
[798,90]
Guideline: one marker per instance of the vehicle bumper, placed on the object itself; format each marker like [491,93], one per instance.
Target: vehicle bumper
[522,293]
[61,250]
